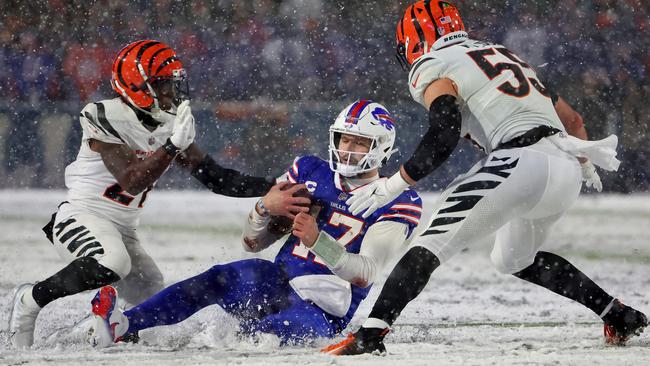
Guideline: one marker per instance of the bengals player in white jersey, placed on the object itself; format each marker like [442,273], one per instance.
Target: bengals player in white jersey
[128,143]
[537,157]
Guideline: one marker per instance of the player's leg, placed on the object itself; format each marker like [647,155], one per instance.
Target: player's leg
[558,275]
[145,278]
[517,244]
[245,288]
[300,323]
[516,252]
[96,255]
[503,186]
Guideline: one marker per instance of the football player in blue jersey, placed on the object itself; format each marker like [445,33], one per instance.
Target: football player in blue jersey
[324,269]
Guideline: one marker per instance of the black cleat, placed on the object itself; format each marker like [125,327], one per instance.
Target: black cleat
[623,322]
[365,340]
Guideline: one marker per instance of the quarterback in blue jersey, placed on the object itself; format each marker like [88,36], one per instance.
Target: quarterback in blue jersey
[324,269]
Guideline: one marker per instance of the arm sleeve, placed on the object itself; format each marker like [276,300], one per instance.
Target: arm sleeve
[380,242]
[230,182]
[256,237]
[439,141]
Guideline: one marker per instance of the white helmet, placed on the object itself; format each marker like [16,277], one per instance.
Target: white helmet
[367,119]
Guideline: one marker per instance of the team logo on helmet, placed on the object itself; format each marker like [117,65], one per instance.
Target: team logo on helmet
[383,118]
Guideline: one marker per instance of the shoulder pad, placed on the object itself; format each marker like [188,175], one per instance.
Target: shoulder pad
[424,71]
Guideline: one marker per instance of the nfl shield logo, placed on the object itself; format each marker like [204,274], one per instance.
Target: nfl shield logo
[152,140]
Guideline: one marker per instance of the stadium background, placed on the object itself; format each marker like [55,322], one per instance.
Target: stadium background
[267,77]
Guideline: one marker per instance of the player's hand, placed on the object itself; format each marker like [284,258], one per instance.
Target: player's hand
[281,201]
[376,194]
[183,132]
[590,176]
[306,229]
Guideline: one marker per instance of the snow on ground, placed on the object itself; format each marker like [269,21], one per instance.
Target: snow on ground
[468,314]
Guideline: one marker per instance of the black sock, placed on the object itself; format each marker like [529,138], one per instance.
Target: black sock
[558,275]
[405,282]
[82,274]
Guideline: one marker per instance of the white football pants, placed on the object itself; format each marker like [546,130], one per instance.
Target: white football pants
[77,233]
[517,193]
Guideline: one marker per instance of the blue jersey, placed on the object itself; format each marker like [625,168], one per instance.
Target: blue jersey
[337,221]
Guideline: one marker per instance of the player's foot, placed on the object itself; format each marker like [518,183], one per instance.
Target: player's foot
[623,322]
[23,317]
[365,340]
[110,324]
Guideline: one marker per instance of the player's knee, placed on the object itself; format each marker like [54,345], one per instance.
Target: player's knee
[156,279]
[118,262]
[509,265]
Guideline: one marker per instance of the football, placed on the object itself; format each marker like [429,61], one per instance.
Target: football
[282,225]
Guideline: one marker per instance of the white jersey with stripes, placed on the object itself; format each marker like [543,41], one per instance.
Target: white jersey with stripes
[91,186]
[500,95]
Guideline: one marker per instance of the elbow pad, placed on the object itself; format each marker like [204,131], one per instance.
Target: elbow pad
[229,182]
[440,139]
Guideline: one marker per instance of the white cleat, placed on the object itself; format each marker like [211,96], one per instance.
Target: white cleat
[23,317]
[110,322]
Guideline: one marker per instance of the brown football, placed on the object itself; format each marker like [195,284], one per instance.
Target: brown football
[282,225]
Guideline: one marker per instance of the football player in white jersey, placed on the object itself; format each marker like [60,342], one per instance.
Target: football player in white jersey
[128,143]
[537,157]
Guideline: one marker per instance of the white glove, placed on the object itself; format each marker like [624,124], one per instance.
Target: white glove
[183,132]
[376,194]
[590,176]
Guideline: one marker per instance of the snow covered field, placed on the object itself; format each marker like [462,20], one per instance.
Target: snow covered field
[468,314]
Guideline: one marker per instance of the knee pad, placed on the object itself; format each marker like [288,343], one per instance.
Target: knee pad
[510,265]
[118,262]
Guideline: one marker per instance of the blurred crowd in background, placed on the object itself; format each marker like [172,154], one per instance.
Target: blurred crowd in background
[267,77]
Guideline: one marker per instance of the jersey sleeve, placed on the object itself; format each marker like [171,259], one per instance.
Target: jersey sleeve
[301,167]
[96,126]
[423,72]
[406,209]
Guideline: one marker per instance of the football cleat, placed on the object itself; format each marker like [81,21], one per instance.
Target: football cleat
[365,340]
[110,322]
[23,318]
[623,322]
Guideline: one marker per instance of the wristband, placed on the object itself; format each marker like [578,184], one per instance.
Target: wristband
[396,183]
[170,148]
[328,249]
[265,211]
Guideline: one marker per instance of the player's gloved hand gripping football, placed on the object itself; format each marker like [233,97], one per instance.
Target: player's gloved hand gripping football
[183,132]
[377,194]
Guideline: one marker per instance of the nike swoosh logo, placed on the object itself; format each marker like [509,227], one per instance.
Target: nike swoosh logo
[415,83]
[413,199]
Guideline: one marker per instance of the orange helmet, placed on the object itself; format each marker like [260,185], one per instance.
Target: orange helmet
[427,24]
[142,64]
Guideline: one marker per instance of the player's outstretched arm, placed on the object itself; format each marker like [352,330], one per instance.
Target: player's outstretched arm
[434,148]
[135,175]
[221,180]
[575,126]
[132,174]
[571,119]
